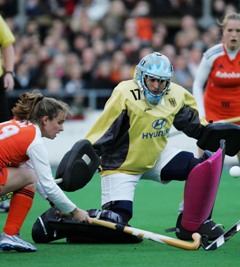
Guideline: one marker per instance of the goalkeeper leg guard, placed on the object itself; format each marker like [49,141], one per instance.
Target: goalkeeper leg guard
[199,197]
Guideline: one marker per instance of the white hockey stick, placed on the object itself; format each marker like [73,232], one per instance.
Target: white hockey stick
[152,236]
[221,240]
[234,119]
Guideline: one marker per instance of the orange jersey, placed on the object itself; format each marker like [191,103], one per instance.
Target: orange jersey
[15,139]
[22,142]
[222,94]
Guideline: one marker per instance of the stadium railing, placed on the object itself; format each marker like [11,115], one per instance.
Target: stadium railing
[92,95]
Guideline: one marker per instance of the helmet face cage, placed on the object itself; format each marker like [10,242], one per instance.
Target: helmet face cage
[156,66]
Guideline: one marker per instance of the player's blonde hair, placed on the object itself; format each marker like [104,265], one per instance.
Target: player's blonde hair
[229,16]
[34,106]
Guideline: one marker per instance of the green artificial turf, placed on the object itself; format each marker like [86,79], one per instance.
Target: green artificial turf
[155,209]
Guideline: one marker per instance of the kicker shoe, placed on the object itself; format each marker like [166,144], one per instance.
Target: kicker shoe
[209,228]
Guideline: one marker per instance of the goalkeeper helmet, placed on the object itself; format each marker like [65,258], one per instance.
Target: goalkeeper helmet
[157,67]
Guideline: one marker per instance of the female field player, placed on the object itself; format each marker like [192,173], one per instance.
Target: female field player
[24,164]
[217,84]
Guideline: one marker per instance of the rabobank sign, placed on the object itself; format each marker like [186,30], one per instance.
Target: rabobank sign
[160,130]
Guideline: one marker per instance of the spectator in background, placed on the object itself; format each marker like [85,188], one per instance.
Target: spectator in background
[87,13]
[182,74]
[218,8]
[102,75]
[170,51]
[22,76]
[35,70]
[131,48]
[119,59]
[176,8]
[214,35]
[182,42]
[74,86]
[145,51]
[79,42]
[188,22]
[88,64]
[159,36]
[54,87]
[101,80]
[144,23]
[74,83]
[8,8]
[217,83]
[187,35]
[56,68]
[114,19]
[35,8]
[130,4]
[193,60]
[61,8]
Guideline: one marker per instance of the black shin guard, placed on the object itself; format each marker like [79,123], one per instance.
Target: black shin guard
[122,207]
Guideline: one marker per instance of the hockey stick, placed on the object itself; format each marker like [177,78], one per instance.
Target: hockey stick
[6,196]
[232,120]
[152,236]
[221,240]
[9,195]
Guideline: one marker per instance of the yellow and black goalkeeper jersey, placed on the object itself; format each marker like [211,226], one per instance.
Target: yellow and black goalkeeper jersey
[130,135]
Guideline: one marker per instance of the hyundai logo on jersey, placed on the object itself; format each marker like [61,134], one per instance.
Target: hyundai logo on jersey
[159,124]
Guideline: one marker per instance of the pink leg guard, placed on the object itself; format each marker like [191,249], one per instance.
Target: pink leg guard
[201,190]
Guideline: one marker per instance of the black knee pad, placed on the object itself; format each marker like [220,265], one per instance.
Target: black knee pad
[123,207]
[178,167]
[78,166]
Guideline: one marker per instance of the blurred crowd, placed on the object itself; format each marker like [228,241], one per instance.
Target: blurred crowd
[75,45]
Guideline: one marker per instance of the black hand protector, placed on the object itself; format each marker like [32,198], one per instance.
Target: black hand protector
[78,166]
[214,132]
